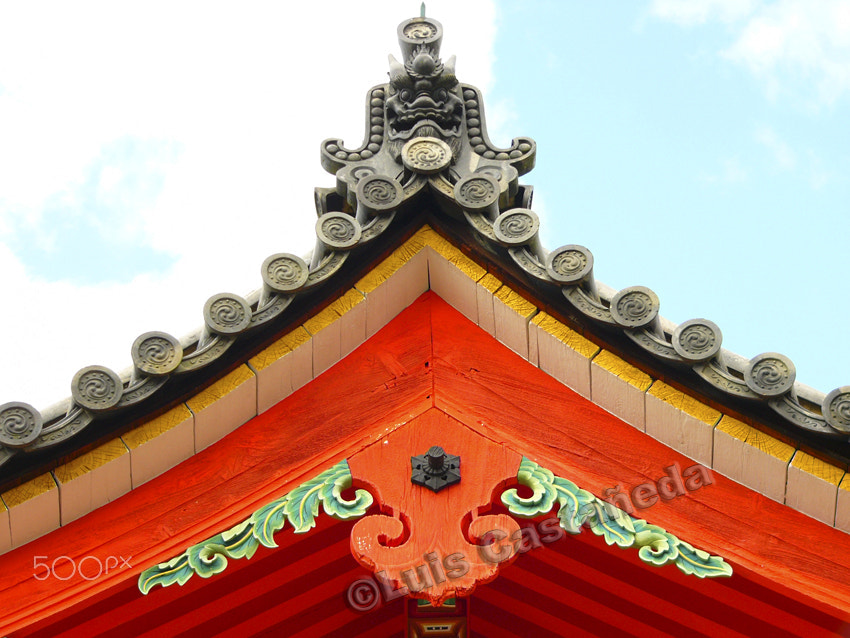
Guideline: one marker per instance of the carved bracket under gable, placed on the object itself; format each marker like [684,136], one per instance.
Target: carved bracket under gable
[429,545]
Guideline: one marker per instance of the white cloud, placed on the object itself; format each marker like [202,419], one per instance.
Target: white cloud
[242,95]
[732,171]
[782,153]
[795,47]
[818,175]
[807,40]
[692,12]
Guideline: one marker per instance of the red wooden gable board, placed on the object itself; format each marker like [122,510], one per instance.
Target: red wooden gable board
[792,573]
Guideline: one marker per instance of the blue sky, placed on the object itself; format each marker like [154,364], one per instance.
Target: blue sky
[698,148]
[701,149]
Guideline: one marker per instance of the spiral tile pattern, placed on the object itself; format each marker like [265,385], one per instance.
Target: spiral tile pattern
[569,264]
[379,193]
[96,388]
[836,408]
[635,307]
[284,273]
[20,424]
[227,314]
[770,374]
[477,192]
[426,155]
[156,353]
[516,227]
[338,231]
[697,340]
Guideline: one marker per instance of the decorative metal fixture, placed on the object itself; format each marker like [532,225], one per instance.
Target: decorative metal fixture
[435,470]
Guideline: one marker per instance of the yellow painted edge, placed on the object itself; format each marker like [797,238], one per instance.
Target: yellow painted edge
[155,427]
[570,337]
[280,348]
[756,438]
[685,403]
[219,389]
[321,320]
[516,302]
[490,282]
[334,311]
[348,301]
[29,490]
[607,360]
[845,482]
[298,337]
[398,258]
[90,461]
[451,253]
[383,271]
[817,467]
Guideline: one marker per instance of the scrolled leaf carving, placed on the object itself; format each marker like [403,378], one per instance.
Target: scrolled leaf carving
[300,508]
[579,507]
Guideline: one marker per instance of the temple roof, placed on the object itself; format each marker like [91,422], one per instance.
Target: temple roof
[426,155]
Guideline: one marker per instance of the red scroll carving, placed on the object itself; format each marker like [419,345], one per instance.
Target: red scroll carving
[421,544]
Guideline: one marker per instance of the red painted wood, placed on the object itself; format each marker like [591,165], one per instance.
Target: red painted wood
[574,601]
[300,556]
[481,626]
[386,380]
[524,618]
[433,522]
[491,389]
[431,356]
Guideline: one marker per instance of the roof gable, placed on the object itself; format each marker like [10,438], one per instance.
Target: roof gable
[428,358]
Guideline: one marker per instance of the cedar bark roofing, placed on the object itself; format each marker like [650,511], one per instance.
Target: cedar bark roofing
[790,571]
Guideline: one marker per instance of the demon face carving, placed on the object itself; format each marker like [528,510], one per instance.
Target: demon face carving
[423,98]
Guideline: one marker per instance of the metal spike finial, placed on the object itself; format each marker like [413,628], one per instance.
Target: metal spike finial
[422,10]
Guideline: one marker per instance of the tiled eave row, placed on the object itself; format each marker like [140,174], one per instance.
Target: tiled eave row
[783,472]
[795,415]
[561,279]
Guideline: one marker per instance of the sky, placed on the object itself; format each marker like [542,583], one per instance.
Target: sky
[153,154]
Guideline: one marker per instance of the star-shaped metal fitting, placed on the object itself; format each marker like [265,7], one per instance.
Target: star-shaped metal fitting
[435,469]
